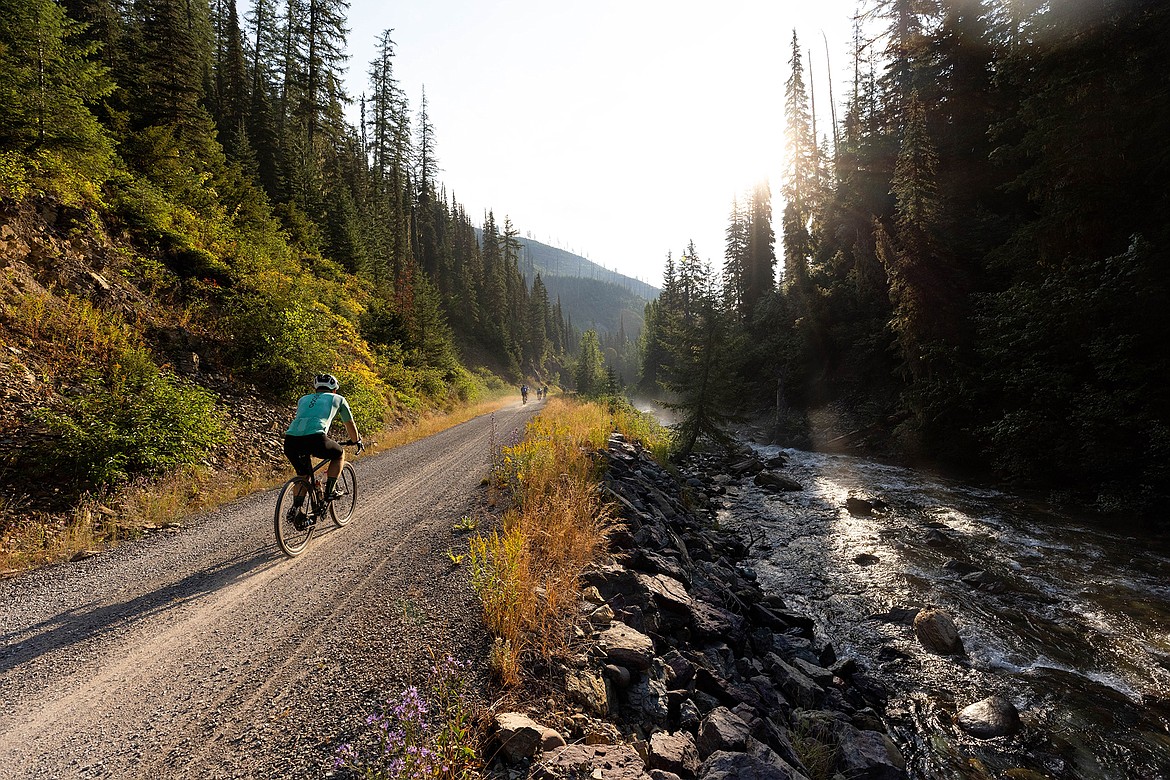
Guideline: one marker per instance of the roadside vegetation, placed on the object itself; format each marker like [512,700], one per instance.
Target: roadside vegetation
[528,571]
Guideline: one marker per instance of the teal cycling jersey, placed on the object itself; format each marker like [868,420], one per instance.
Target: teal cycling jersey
[315,412]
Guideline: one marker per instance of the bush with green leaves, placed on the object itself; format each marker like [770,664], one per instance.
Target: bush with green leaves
[278,336]
[366,395]
[136,421]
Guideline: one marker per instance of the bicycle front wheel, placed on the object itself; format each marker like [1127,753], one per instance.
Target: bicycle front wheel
[293,528]
[341,508]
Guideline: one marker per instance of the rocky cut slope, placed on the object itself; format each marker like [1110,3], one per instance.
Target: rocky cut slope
[78,310]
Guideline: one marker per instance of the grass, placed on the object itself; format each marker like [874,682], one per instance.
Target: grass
[817,749]
[528,572]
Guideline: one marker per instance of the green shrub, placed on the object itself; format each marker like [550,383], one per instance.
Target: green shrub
[137,421]
[367,397]
[278,337]
[13,175]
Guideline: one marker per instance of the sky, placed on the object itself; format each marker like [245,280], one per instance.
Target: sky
[617,129]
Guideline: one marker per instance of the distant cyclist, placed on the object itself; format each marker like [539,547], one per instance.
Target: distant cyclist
[307,435]
[524,393]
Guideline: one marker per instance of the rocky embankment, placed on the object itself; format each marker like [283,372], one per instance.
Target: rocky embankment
[689,670]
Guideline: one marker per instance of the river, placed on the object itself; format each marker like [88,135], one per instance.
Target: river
[1068,619]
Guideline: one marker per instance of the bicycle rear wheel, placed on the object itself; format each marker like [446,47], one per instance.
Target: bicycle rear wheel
[341,508]
[293,532]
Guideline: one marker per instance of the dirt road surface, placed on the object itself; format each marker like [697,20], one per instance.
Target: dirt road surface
[204,653]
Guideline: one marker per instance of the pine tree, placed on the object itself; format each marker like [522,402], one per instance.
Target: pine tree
[264,121]
[799,177]
[699,340]
[172,49]
[537,342]
[105,26]
[590,373]
[47,77]
[233,85]
[426,236]
[735,256]
[760,256]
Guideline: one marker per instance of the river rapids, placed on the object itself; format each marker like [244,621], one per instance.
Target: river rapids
[1068,619]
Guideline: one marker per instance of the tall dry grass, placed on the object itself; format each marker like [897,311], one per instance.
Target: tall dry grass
[528,573]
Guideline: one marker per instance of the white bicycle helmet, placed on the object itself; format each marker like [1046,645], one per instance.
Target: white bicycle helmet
[326,382]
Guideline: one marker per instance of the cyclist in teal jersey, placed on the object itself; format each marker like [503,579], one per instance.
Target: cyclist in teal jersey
[308,434]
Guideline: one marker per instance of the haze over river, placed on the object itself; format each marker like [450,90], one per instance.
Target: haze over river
[1067,619]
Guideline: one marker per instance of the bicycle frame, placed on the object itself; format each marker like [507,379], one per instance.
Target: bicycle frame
[312,484]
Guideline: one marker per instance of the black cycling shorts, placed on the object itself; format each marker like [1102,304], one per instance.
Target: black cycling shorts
[298,449]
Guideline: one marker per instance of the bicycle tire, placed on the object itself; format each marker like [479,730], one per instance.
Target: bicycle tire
[291,540]
[341,508]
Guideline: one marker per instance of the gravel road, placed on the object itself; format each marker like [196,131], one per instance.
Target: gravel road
[205,653]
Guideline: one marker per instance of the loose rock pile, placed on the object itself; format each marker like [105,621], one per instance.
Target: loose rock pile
[698,673]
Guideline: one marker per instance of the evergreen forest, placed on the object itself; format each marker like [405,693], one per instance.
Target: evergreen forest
[195,169]
[970,265]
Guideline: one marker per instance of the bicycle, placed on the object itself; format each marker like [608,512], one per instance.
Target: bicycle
[295,529]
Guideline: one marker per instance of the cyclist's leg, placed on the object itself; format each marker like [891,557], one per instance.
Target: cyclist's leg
[296,449]
[333,452]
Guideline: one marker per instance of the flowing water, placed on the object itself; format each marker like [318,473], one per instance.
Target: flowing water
[1068,620]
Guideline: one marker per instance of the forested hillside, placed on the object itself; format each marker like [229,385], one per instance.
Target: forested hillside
[590,295]
[536,257]
[187,217]
[972,260]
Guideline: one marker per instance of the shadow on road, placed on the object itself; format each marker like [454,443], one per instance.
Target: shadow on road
[77,626]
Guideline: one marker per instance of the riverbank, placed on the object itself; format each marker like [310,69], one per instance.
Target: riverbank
[685,667]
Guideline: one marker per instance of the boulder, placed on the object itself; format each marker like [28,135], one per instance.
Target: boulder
[520,736]
[722,730]
[612,762]
[937,632]
[797,687]
[994,716]
[749,465]
[674,753]
[896,614]
[936,538]
[984,581]
[587,688]
[866,559]
[868,754]
[820,675]
[649,698]
[858,506]
[689,716]
[770,480]
[625,646]
[619,675]
[602,616]
[724,765]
